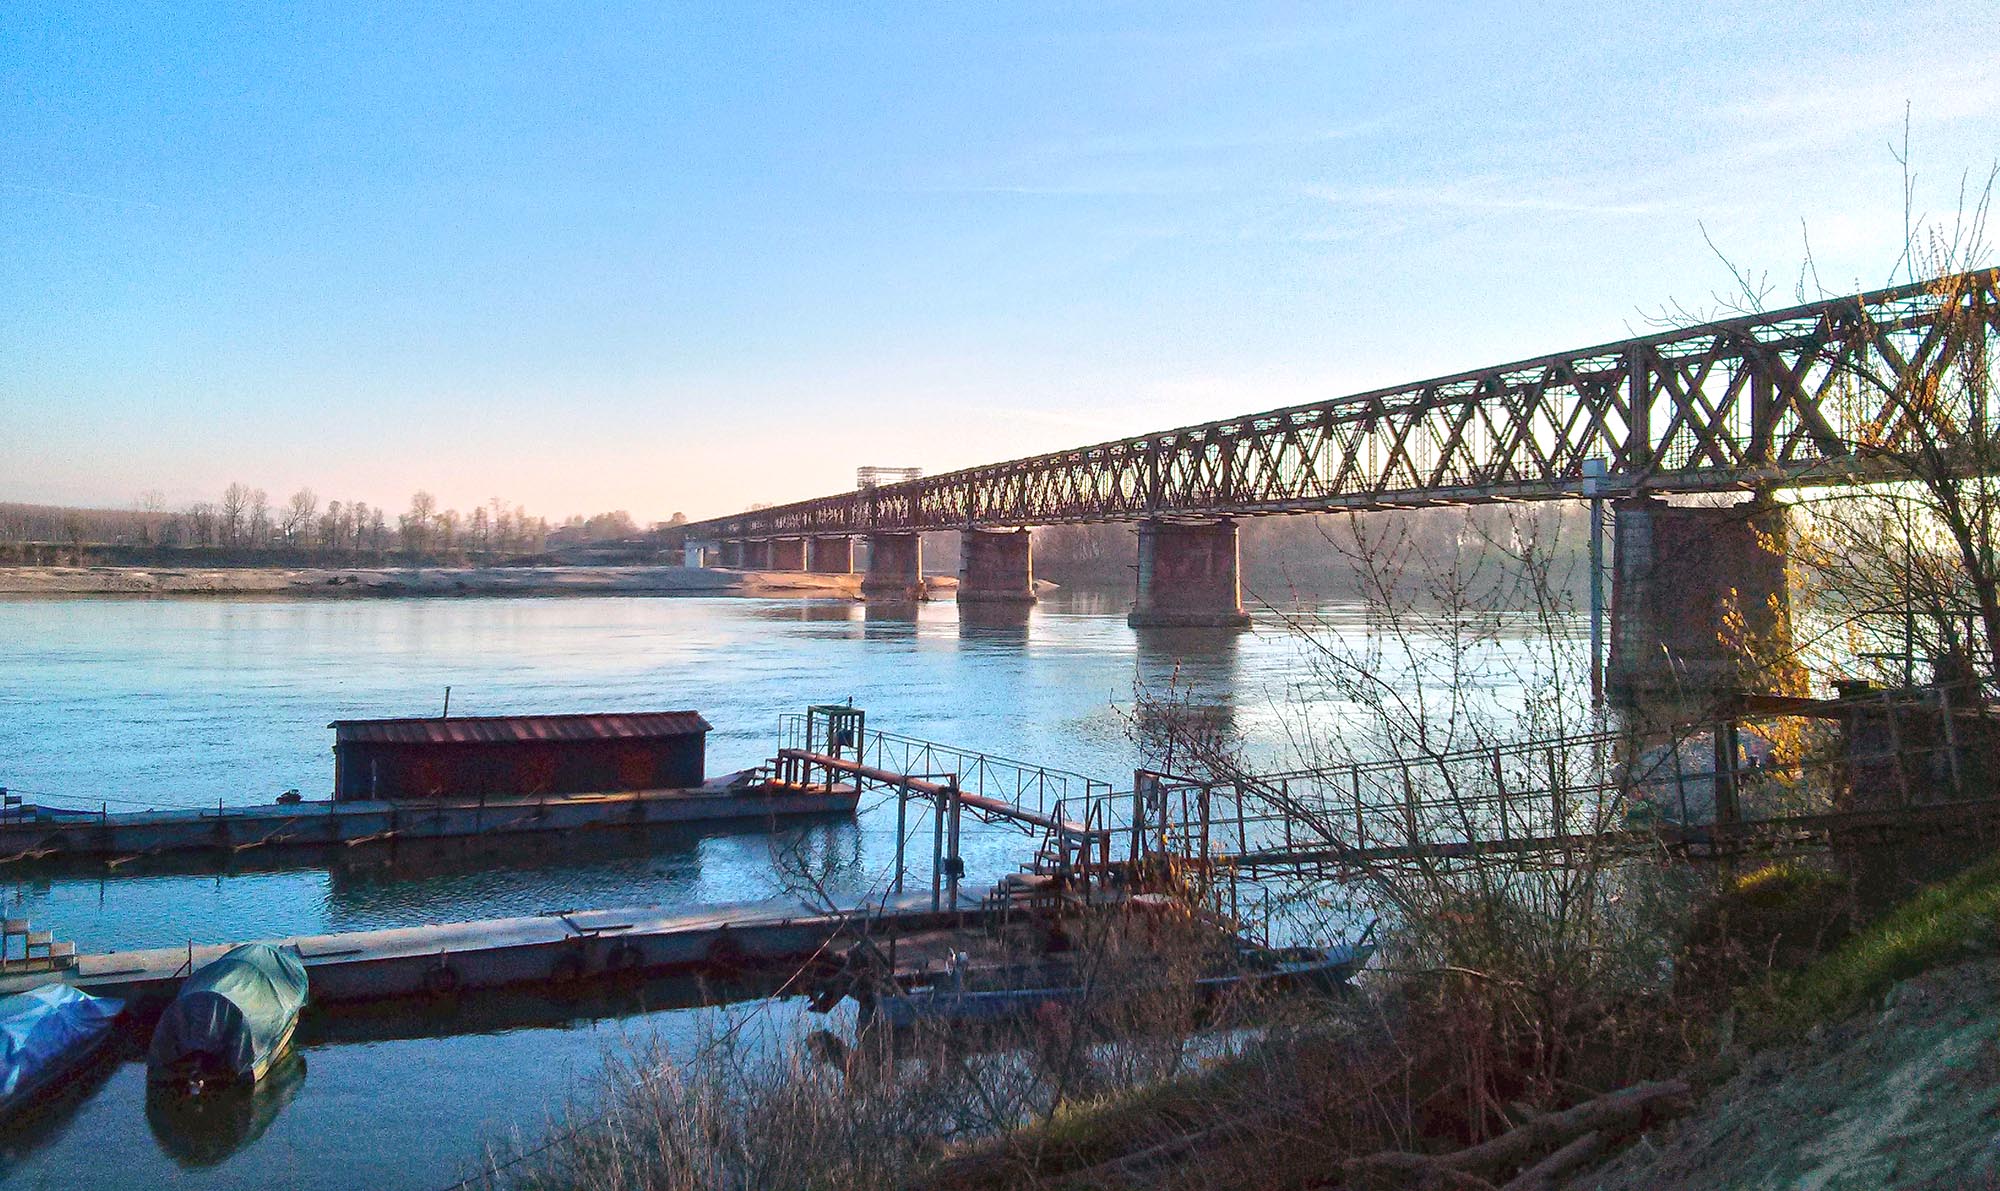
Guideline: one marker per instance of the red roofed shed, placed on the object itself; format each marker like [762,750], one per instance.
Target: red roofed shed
[515,755]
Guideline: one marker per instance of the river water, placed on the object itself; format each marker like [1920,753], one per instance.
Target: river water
[133,703]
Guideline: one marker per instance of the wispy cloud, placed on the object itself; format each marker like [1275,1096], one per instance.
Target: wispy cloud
[1474,194]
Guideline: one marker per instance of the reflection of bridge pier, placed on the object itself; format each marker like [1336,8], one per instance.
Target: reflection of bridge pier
[1678,572]
[1188,576]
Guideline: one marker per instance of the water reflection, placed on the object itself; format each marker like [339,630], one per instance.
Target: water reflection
[44,1122]
[1088,601]
[891,620]
[1197,655]
[507,1010]
[998,626]
[810,611]
[205,1130]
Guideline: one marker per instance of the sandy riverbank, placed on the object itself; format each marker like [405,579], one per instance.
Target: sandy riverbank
[430,581]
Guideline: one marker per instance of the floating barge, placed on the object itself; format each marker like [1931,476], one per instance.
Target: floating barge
[557,949]
[437,779]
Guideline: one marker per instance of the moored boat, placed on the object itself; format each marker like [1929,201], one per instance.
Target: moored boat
[965,999]
[232,1019]
[47,1033]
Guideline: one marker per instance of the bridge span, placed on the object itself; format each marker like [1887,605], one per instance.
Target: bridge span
[1818,394]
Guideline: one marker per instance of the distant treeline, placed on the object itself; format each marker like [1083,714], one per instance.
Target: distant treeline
[244,524]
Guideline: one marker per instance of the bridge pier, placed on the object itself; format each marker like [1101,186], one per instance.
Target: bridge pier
[1676,571]
[830,556]
[1188,576]
[996,566]
[788,554]
[895,568]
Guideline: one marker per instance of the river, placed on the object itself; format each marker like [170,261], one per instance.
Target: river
[133,702]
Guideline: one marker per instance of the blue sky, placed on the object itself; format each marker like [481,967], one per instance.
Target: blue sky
[669,257]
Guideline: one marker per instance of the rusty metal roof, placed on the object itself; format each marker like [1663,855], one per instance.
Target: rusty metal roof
[512,729]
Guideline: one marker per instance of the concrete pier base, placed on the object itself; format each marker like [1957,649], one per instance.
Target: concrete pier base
[830,556]
[1677,573]
[1188,577]
[895,568]
[996,567]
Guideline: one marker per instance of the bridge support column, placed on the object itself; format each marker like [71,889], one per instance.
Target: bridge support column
[830,556]
[1676,574]
[996,566]
[1188,577]
[895,568]
[788,554]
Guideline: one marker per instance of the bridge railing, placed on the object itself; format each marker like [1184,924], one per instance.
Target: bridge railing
[1704,784]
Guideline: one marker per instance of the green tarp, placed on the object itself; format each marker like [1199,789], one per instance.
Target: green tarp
[231,1018]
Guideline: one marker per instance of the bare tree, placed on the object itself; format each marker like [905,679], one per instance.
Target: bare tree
[258,521]
[415,525]
[299,516]
[204,521]
[331,536]
[1902,566]
[481,529]
[233,519]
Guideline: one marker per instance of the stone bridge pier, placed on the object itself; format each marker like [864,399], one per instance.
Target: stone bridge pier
[895,568]
[996,566]
[830,556]
[1677,572]
[1188,576]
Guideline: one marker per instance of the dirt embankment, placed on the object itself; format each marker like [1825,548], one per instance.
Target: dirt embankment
[1907,1096]
[427,581]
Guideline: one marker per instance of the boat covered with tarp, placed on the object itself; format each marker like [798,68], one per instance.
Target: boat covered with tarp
[45,1034]
[232,1020]
[968,996]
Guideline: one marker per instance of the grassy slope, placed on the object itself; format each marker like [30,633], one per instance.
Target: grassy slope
[1929,929]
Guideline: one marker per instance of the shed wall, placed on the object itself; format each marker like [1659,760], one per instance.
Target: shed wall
[365,770]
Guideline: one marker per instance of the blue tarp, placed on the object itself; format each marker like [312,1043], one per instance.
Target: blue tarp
[232,1017]
[46,1030]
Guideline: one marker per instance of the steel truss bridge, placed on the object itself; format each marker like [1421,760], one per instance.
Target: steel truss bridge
[1795,397]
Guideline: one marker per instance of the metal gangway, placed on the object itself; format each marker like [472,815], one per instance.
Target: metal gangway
[830,742]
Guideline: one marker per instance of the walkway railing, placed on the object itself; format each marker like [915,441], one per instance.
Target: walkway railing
[1045,790]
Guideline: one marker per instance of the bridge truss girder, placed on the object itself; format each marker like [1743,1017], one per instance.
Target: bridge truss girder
[1808,395]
